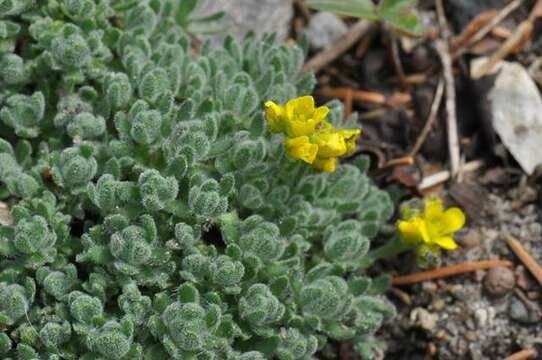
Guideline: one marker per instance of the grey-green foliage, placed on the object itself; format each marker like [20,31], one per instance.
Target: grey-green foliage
[153,215]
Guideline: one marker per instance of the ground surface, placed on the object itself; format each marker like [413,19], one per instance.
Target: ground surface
[459,317]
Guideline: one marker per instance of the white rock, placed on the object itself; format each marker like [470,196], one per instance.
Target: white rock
[516,106]
[242,16]
[423,318]
[324,29]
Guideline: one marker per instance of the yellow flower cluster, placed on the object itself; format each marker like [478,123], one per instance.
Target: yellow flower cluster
[431,228]
[309,137]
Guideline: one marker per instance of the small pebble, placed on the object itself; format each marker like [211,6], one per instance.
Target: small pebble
[481,317]
[471,335]
[424,318]
[520,312]
[438,304]
[472,239]
[499,281]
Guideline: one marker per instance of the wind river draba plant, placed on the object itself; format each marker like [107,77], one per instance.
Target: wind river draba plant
[152,214]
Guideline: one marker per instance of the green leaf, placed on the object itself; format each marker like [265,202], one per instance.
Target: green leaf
[186,7]
[401,16]
[356,8]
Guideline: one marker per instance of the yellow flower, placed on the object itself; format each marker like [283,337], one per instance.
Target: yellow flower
[309,137]
[274,114]
[301,148]
[327,165]
[330,143]
[433,228]
[301,117]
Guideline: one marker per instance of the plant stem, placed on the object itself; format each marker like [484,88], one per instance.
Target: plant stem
[391,248]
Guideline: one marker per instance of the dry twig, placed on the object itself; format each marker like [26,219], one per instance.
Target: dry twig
[433,113]
[522,355]
[500,16]
[449,271]
[442,176]
[451,119]
[512,44]
[401,295]
[370,97]
[472,29]
[328,55]
[527,260]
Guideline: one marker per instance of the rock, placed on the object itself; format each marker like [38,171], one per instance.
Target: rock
[438,304]
[482,317]
[522,313]
[242,16]
[5,215]
[499,281]
[324,29]
[516,111]
[472,239]
[424,318]
[525,280]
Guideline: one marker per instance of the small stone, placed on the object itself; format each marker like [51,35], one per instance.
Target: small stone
[324,29]
[499,281]
[429,286]
[524,279]
[471,336]
[520,312]
[438,304]
[481,317]
[424,318]
[472,239]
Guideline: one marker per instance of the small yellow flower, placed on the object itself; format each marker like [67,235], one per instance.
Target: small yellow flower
[301,148]
[330,143]
[431,229]
[327,165]
[301,117]
[309,137]
[274,114]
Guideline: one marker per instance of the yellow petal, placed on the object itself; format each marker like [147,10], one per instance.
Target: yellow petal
[327,165]
[295,128]
[300,107]
[350,136]
[446,242]
[301,148]
[320,114]
[274,115]
[330,144]
[433,209]
[453,219]
[411,231]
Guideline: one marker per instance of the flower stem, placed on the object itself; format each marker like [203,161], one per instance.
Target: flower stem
[391,248]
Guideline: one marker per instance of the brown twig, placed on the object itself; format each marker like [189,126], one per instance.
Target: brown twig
[449,271]
[522,355]
[396,59]
[479,21]
[502,14]
[401,295]
[357,95]
[348,100]
[328,55]
[527,260]
[433,113]
[512,44]
[404,161]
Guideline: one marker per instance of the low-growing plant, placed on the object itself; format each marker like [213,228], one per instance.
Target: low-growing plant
[153,215]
